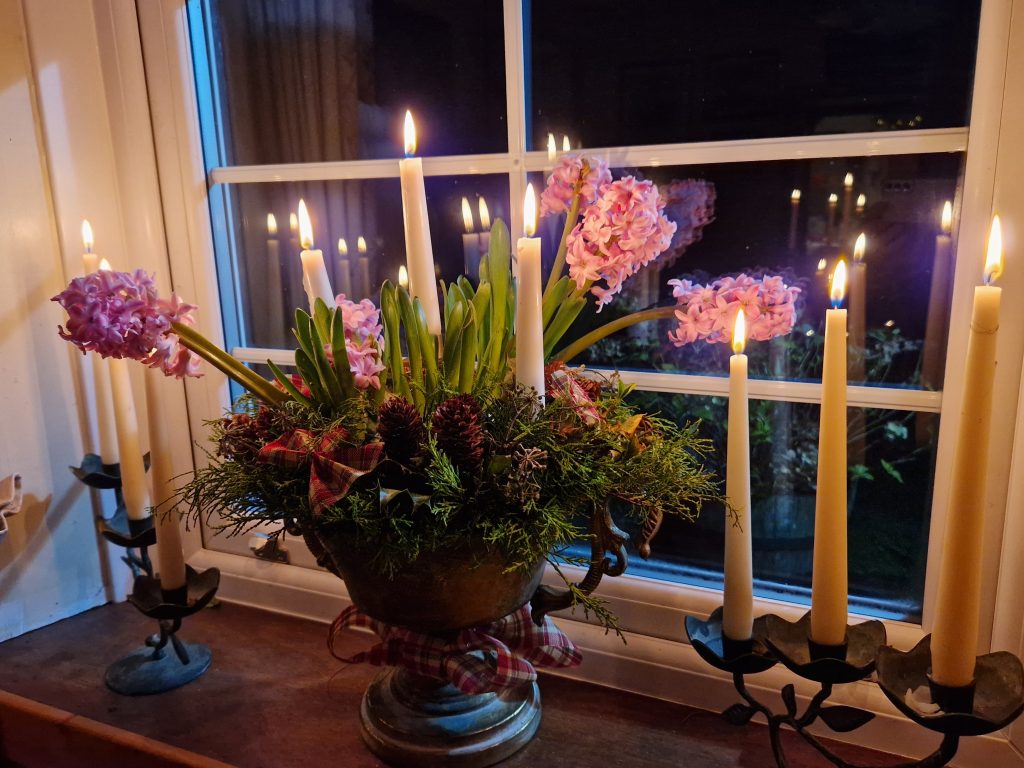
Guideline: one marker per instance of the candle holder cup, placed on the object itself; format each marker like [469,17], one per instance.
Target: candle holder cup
[151,669]
[994,700]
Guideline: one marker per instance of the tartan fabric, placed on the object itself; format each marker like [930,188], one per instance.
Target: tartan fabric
[334,466]
[481,659]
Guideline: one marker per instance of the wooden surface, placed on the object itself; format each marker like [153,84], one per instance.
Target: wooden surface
[274,697]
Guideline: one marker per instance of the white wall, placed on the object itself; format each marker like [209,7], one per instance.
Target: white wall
[50,563]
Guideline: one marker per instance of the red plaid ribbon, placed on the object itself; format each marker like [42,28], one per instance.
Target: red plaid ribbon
[478,660]
[334,466]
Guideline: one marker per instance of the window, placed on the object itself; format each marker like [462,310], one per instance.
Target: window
[306,100]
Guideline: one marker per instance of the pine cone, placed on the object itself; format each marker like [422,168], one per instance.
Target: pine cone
[401,427]
[241,438]
[456,425]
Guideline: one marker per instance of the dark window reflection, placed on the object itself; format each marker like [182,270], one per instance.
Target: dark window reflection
[666,71]
[892,456]
[330,80]
[758,229]
[358,225]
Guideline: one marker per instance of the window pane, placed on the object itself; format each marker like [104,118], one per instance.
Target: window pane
[757,230]
[669,72]
[268,271]
[892,455]
[330,80]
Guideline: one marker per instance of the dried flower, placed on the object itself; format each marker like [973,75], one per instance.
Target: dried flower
[624,231]
[709,312]
[456,426]
[401,428]
[119,314]
[565,182]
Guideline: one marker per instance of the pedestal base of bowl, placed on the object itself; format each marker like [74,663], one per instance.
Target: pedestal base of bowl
[411,721]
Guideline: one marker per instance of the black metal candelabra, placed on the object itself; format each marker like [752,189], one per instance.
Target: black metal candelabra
[994,700]
[150,669]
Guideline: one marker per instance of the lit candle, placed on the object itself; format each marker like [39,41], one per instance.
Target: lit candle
[828,583]
[847,203]
[955,632]
[314,271]
[107,433]
[862,201]
[133,471]
[344,269]
[485,225]
[933,356]
[822,266]
[403,276]
[566,146]
[470,241]
[833,202]
[364,267]
[170,558]
[858,281]
[738,598]
[419,253]
[794,215]
[551,149]
[275,295]
[529,322]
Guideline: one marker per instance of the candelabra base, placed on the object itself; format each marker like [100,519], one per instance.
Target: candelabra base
[744,657]
[790,642]
[146,670]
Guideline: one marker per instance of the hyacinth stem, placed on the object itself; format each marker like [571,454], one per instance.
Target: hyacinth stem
[227,365]
[563,244]
[582,343]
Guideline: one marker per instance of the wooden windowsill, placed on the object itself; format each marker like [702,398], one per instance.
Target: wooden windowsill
[275,697]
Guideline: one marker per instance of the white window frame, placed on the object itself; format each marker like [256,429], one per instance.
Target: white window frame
[657,661]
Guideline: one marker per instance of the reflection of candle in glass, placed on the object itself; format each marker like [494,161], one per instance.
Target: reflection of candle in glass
[344,269]
[470,241]
[107,433]
[794,214]
[566,146]
[933,356]
[955,631]
[828,580]
[314,271]
[862,200]
[822,264]
[529,327]
[485,226]
[738,595]
[364,266]
[858,280]
[419,252]
[403,276]
[833,202]
[551,149]
[847,203]
[275,294]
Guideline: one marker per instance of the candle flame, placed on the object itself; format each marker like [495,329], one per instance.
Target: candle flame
[271,224]
[361,244]
[994,259]
[848,181]
[838,283]
[739,333]
[105,266]
[822,263]
[530,211]
[305,227]
[551,148]
[566,146]
[858,248]
[293,222]
[833,199]
[795,196]
[410,135]
[403,276]
[485,215]
[87,240]
[467,216]
[342,246]
[947,217]
[862,200]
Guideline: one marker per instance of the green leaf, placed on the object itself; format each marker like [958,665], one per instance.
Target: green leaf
[467,373]
[390,314]
[467,287]
[895,431]
[412,343]
[328,376]
[286,382]
[453,345]
[860,472]
[554,299]
[342,370]
[565,317]
[428,344]
[322,318]
[310,375]
[892,471]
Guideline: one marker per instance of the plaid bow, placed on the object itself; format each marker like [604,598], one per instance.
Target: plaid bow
[334,467]
[478,660]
